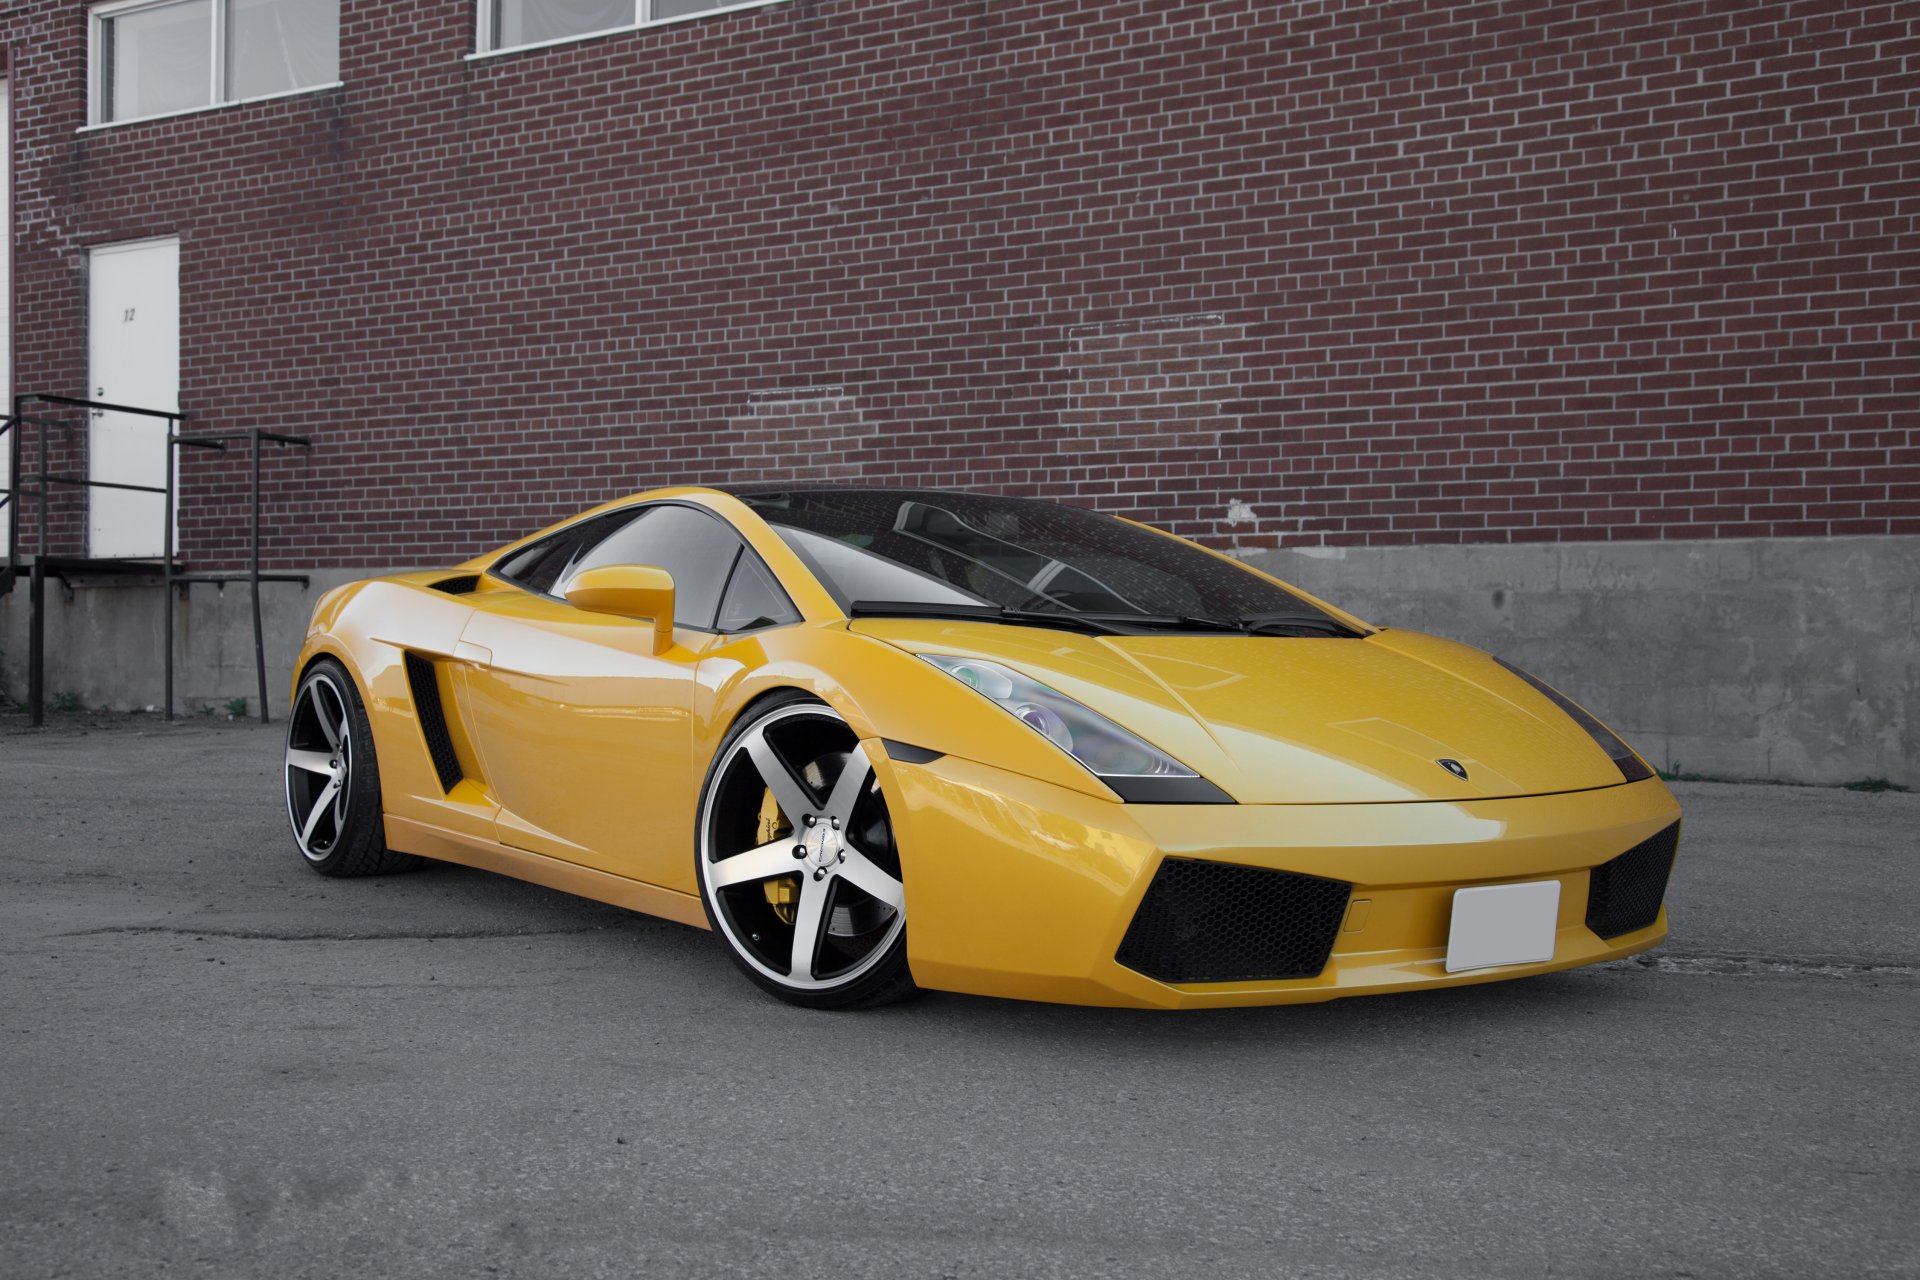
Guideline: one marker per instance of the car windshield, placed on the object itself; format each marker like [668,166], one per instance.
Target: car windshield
[876,547]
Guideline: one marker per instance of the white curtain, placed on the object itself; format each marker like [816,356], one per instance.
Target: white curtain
[530,21]
[680,8]
[277,45]
[159,60]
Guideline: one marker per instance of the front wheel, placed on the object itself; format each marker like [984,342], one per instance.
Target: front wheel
[797,863]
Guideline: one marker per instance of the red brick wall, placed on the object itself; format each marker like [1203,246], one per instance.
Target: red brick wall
[1355,272]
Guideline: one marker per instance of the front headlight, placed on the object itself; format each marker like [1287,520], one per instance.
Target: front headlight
[1632,768]
[1136,770]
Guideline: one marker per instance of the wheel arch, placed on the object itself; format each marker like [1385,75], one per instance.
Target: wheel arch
[883,691]
[741,921]
[317,651]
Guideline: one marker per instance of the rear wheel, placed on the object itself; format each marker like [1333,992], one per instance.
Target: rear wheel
[333,780]
[797,862]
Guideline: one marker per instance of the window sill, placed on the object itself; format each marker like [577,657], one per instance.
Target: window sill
[211,106]
[508,50]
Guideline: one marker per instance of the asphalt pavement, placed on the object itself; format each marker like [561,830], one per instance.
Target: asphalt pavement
[218,1063]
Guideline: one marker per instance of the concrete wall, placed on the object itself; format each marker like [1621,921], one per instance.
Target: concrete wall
[104,643]
[1787,659]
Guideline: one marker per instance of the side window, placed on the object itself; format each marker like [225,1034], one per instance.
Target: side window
[510,24]
[540,566]
[696,548]
[753,599]
[156,57]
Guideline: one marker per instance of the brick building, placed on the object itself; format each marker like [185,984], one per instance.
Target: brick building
[1585,331]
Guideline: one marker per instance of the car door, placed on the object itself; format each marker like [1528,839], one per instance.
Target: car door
[585,733]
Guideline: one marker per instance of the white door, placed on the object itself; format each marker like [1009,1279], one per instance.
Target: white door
[134,350]
[6,300]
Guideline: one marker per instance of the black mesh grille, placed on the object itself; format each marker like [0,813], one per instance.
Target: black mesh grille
[1626,892]
[1213,922]
[460,586]
[433,721]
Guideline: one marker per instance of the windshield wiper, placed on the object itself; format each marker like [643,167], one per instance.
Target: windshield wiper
[1254,623]
[1153,621]
[1246,624]
[982,613]
[1100,624]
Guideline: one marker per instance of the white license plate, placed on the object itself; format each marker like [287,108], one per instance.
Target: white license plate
[1503,924]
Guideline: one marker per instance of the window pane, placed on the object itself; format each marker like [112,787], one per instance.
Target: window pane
[681,8]
[157,60]
[879,544]
[540,566]
[696,548]
[848,566]
[276,45]
[529,21]
[753,599]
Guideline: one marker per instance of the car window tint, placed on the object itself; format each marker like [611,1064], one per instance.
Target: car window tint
[860,574]
[937,548]
[753,599]
[696,548]
[540,566]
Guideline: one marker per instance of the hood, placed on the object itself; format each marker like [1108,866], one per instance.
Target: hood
[1292,720]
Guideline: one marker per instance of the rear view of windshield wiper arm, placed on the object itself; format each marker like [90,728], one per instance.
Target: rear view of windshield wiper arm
[980,613]
[1254,623]
[1130,623]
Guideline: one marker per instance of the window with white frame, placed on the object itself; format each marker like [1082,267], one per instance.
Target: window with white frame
[509,24]
[157,57]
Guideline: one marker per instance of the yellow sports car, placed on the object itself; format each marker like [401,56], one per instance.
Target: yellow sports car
[878,739]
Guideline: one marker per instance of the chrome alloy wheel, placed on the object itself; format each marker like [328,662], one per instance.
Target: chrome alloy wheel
[319,766]
[797,853]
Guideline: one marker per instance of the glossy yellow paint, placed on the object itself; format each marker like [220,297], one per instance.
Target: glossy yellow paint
[1310,721]
[585,737]
[1076,868]
[628,591]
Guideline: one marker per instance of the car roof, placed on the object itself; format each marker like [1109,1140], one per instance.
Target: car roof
[766,490]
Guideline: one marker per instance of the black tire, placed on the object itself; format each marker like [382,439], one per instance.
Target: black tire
[875,979]
[349,838]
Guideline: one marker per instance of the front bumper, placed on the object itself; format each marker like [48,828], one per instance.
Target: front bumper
[1022,889]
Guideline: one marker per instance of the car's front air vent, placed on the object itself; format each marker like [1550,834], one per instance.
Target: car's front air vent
[1215,922]
[460,586]
[1626,892]
[425,686]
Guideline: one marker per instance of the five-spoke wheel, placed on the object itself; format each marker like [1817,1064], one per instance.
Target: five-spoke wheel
[319,765]
[797,861]
[333,783]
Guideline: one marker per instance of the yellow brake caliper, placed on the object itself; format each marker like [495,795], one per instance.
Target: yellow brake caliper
[783,894]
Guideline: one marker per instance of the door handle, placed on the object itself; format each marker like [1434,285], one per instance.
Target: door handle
[472,654]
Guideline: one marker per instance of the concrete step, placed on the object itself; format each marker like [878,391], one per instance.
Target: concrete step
[88,571]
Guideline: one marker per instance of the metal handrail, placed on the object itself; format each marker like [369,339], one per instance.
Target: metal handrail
[255,436]
[9,427]
[42,480]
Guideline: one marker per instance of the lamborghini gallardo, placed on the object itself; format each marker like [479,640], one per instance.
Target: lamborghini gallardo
[879,740]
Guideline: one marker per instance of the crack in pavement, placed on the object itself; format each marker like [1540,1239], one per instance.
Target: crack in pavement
[1754,965]
[271,935]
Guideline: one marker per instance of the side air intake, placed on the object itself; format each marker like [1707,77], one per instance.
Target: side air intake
[433,720]
[464,585]
[1216,922]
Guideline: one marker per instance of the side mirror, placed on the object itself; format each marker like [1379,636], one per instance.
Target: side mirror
[628,591]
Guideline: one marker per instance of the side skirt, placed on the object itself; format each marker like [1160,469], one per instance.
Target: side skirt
[409,836]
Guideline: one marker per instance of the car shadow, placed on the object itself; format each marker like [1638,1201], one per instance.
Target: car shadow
[672,955]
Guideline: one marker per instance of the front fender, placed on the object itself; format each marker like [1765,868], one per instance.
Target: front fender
[882,692]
